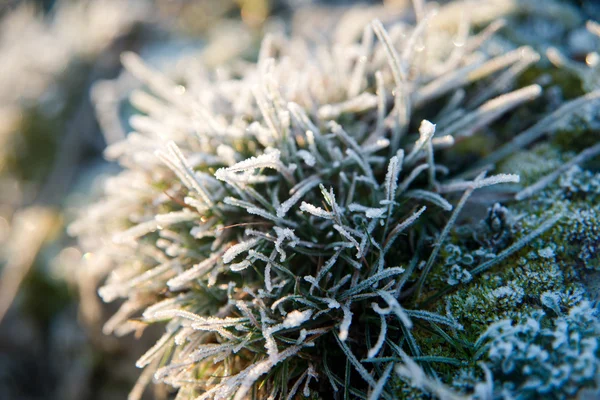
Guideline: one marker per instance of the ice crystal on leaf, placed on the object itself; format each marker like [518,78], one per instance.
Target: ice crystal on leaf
[276,218]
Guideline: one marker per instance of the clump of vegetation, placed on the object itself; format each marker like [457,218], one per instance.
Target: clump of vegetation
[287,222]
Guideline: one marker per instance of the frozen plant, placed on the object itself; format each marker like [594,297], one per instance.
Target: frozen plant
[554,358]
[283,219]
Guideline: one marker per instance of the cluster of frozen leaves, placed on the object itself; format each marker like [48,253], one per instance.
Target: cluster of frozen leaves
[552,357]
[276,215]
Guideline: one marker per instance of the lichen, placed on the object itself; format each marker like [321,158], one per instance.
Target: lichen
[541,355]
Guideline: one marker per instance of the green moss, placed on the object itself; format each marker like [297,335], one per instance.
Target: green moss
[569,83]
[554,263]
[578,136]
[533,164]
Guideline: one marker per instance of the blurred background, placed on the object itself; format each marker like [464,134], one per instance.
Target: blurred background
[63,98]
